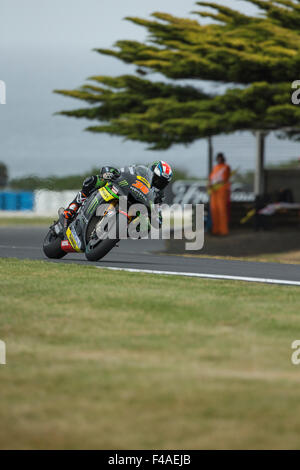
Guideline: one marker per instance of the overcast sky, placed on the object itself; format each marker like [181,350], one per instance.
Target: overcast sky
[47,44]
[84,23]
[72,28]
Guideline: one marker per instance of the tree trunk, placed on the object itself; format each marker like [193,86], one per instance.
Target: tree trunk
[259,186]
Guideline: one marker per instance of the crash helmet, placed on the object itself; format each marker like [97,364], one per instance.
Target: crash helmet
[162,174]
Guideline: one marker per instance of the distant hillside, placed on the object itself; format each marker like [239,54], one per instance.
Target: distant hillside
[60,183]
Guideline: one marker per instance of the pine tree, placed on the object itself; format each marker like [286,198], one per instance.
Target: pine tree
[257,57]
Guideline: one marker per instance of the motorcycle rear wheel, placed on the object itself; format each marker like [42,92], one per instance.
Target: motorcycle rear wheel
[52,246]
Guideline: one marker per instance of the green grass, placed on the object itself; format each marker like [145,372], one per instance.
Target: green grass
[102,359]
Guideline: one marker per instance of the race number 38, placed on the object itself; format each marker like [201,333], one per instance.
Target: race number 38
[138,184]
[175,459]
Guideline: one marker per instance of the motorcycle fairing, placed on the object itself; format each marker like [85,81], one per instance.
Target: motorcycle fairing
[74,239]
[138,185]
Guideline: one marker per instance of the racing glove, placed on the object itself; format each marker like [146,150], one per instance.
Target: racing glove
[109,173]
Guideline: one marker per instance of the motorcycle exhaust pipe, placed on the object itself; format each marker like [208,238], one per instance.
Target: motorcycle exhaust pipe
[67,247]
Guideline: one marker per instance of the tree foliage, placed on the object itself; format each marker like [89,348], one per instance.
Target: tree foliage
[256,56]
[3,175]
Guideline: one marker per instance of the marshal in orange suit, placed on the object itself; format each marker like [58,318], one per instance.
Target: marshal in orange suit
[219,186]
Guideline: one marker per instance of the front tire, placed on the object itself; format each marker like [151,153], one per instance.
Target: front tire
[52,246]
[97,249]
[104,247]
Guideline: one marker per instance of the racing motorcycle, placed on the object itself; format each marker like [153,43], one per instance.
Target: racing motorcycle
[97,226]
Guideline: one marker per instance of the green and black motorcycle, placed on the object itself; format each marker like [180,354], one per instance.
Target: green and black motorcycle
[94,234]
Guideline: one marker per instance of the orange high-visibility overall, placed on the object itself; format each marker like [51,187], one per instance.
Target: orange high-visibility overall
[220,196]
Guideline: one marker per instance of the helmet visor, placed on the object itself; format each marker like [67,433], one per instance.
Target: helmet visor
[159,182]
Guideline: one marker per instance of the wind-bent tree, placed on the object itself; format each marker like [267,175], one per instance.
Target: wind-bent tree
[257,57]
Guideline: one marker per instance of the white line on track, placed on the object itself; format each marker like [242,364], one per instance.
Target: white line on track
[206,276]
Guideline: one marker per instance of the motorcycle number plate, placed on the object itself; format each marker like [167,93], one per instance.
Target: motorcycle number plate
[105,194]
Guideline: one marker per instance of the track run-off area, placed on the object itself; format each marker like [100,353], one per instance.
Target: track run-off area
[147,256]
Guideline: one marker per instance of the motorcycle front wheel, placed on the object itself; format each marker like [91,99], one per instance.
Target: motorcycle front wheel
[96,247]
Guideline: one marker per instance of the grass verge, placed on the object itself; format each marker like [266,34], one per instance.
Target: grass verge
[115,360]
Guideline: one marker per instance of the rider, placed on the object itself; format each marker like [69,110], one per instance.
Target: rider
[162,175]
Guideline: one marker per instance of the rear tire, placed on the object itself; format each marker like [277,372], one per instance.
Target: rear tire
[52,246]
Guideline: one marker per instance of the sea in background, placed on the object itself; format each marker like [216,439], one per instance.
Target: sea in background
[33,141]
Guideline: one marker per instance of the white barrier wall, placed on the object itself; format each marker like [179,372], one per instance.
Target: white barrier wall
[47,203]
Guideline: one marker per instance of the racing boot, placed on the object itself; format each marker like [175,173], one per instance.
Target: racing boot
[71,212]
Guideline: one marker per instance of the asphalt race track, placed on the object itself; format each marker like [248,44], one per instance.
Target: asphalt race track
[25,242]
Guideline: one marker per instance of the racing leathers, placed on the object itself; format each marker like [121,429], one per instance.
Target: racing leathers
[94,182]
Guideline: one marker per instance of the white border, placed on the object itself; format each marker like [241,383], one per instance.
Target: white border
[206,276]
